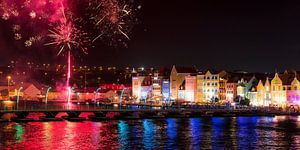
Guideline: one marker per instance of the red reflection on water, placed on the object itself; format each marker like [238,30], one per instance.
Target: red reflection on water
[108,135]
[60,135]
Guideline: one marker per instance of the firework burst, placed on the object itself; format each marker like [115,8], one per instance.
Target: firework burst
[68,37]
[63,25]
[112,19]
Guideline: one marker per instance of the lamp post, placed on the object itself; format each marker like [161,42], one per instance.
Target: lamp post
[8,79]
[121,97]
[96,92]
[18,95]
[47,93]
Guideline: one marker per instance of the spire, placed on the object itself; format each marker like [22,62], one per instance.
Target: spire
[133,70]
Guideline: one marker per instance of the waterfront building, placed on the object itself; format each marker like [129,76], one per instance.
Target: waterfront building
[113,86]
[278,92]
[137,87]
[146,89]
[199,88]
[222,86]
[231,89]
[274,93]
[252,81]
[177,78]
[293,95]
[261,92]
[267,100]
[190,88]
[166,91]
[209,83]
[241,88]
[157,87]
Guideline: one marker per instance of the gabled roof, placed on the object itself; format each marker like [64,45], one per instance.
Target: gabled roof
[286,79]
[147,81]
[181,69]
[25,85]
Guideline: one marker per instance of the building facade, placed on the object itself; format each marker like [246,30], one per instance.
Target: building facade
[190,88]
[177,79]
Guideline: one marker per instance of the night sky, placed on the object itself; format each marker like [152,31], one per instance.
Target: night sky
[235,35]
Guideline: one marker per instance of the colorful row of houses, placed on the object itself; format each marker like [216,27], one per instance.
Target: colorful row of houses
[190,85]
[36,91]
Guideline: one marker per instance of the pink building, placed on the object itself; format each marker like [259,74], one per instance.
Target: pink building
[190,88]
[231,91]
[293,97]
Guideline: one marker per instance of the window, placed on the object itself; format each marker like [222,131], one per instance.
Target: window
[216,84]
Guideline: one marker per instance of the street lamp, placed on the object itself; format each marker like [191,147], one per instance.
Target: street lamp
[121,97]
[18,94]
[47,93]
[8,79]
[96,92]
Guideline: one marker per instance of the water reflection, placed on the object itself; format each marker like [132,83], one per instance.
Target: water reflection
[149,134]
[171,133]
[193,133]
[123,134]
[196,130]
[247,136]
[19,132]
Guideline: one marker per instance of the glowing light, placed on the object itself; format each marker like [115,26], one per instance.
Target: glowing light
[32,14]
[19,132]
[47,93]
[8,77]
[18,94]
[96,94]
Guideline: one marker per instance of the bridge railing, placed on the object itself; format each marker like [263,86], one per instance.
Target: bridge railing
[63,106]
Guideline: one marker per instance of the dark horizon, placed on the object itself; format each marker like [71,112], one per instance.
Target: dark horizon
[256,36]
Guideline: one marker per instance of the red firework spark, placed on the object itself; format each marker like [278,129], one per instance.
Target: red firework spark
[112,18]
[68,37]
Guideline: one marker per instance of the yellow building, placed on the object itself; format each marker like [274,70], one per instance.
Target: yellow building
[274,93]
[261,91]
[199,91]
[209,83]
[278,95]
[222,89]
[295,86]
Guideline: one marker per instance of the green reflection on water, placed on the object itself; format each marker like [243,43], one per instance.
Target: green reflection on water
[19,132]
